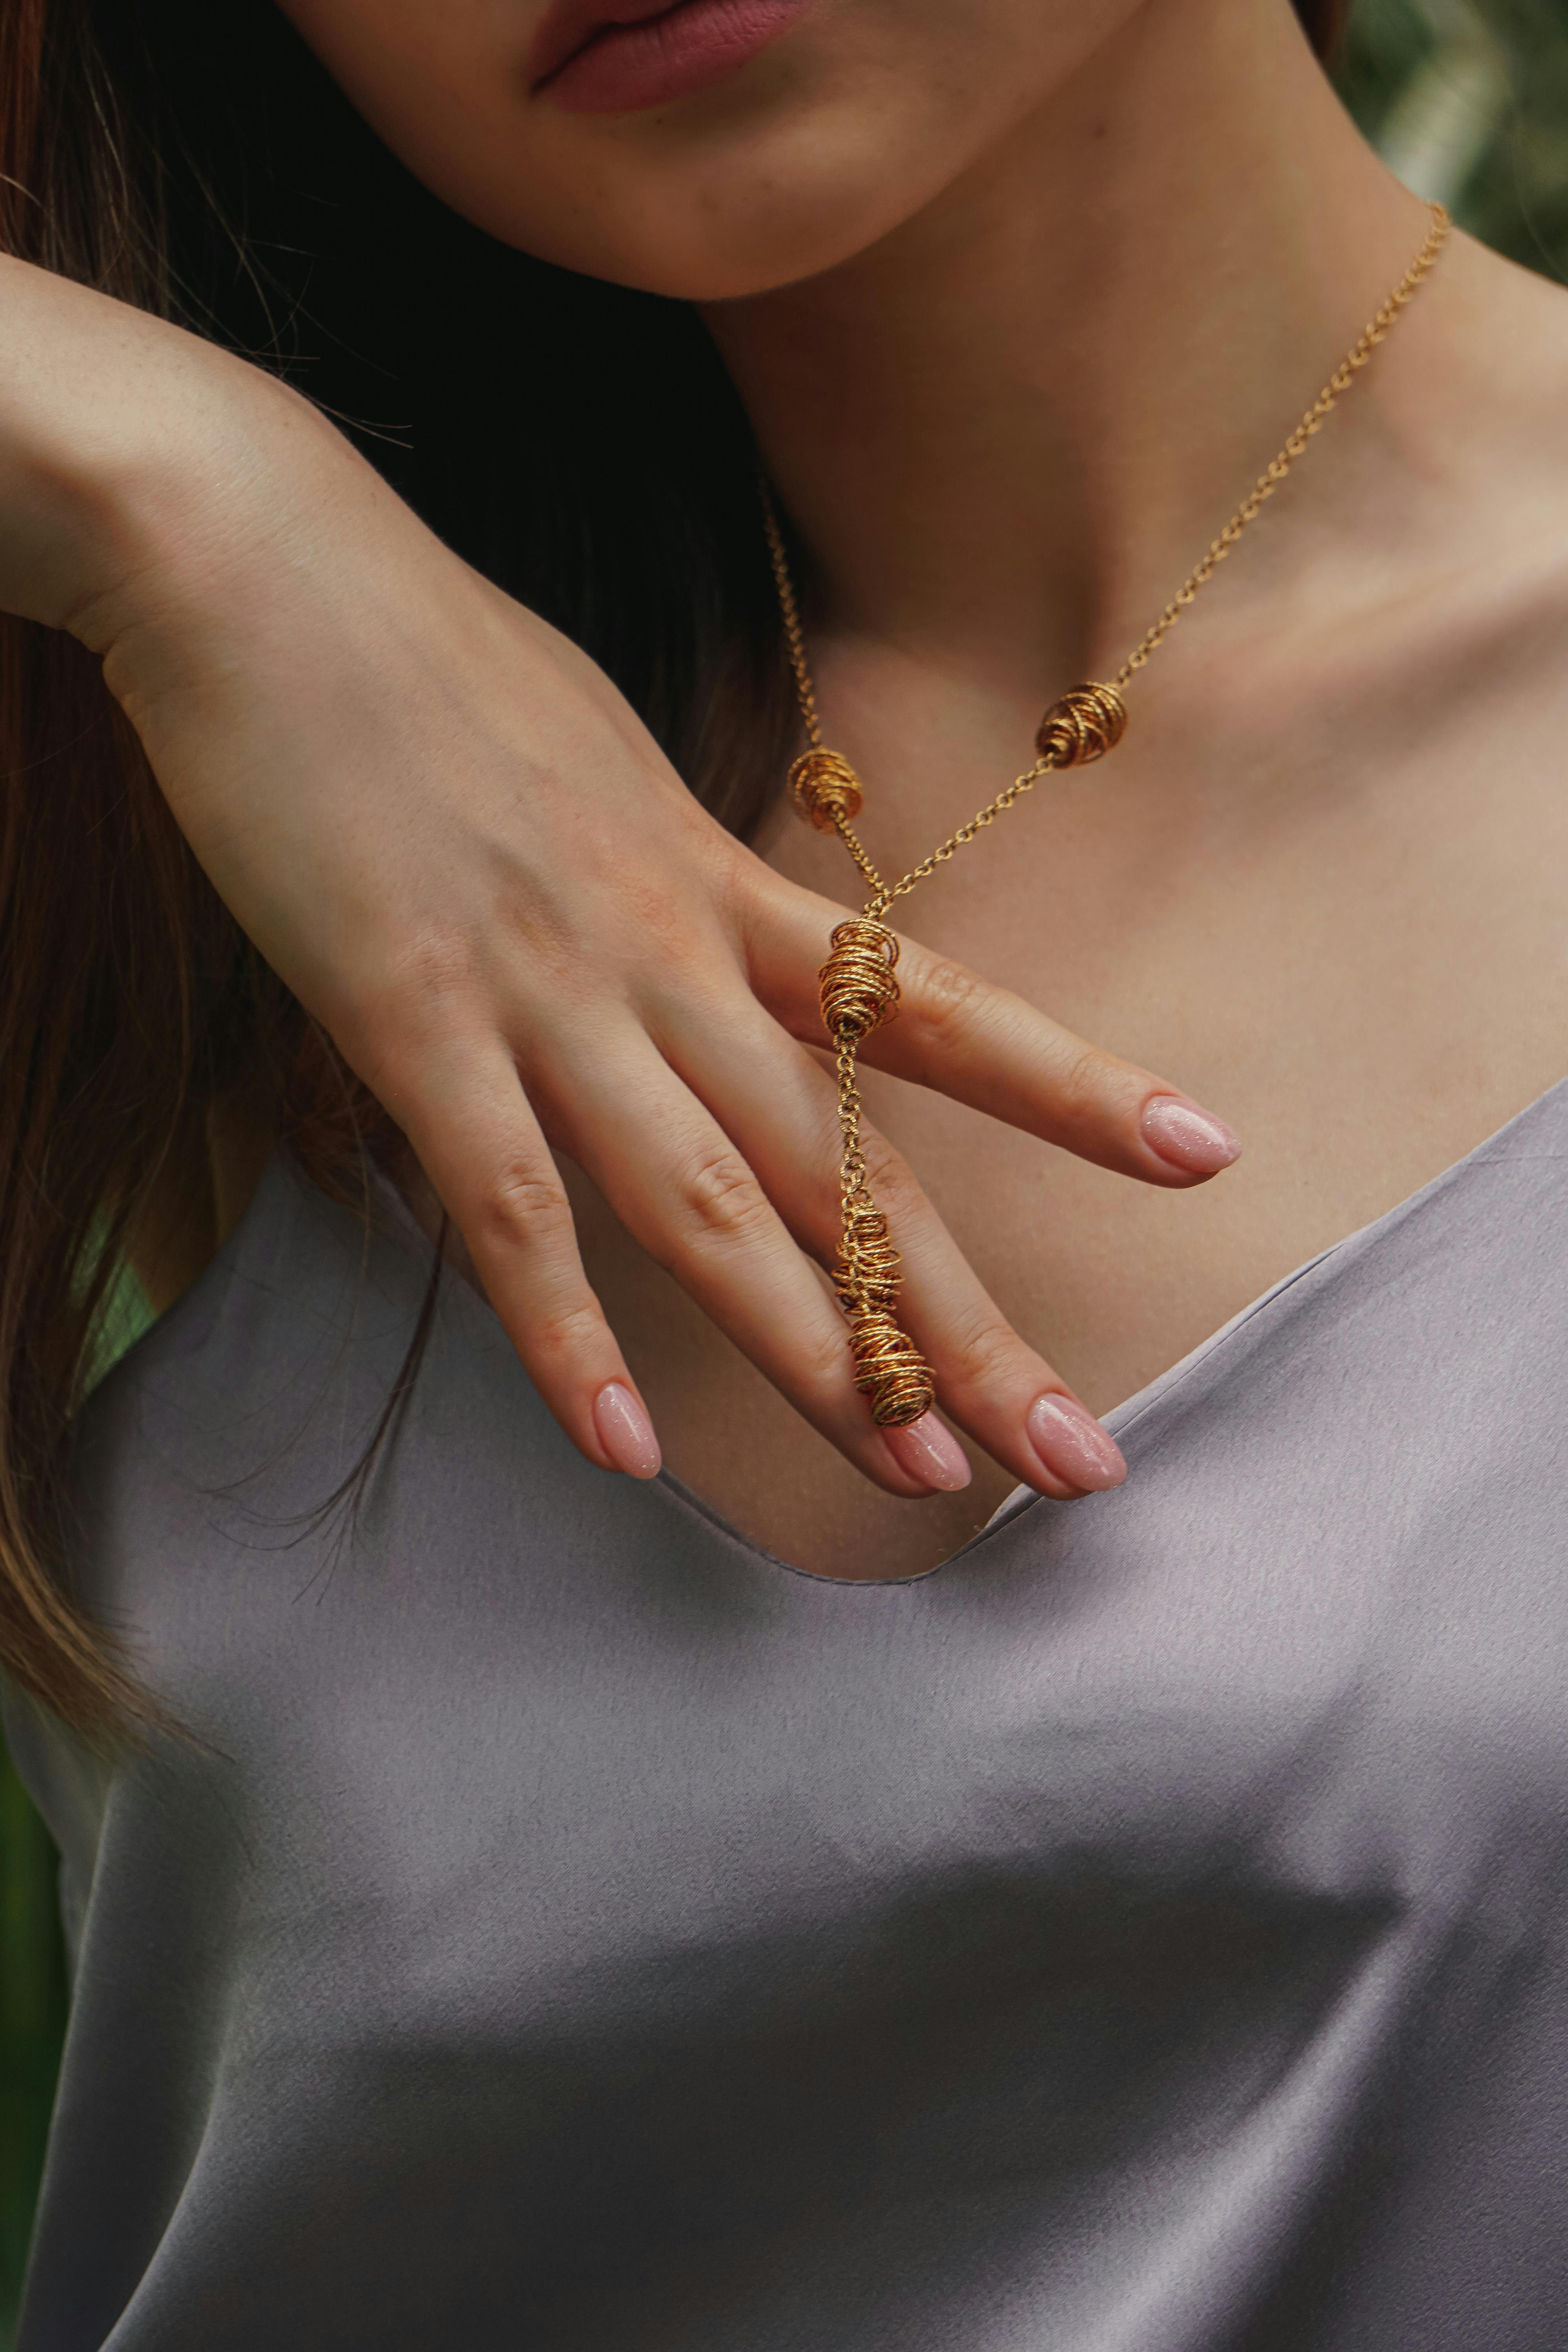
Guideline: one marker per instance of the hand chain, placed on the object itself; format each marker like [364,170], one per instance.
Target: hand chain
[859,989]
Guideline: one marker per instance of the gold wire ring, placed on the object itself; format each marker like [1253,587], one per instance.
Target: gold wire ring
[858,990]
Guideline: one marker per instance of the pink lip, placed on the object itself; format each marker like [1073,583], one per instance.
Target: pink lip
[614,57]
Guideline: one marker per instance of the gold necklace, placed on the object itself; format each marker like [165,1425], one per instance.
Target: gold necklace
[858,990]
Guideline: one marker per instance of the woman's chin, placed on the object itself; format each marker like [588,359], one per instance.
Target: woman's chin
[734,271]
[718,234]
[709,174]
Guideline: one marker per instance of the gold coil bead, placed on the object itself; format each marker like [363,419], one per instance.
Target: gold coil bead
[858,990]
[824,787]
[866,1273]
[889,1370]
[1083,726]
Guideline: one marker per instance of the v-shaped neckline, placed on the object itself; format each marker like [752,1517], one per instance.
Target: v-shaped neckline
[1025,1500]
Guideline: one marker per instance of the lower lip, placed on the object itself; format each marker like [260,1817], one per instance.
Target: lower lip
[627,68]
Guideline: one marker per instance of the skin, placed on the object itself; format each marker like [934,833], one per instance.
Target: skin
[461,849]
[1021,300]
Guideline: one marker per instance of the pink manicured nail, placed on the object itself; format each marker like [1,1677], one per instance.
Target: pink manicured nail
[625,1432]
[1188,1138]
[928,1450]
[1073,1446]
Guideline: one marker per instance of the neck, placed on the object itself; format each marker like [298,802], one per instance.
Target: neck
[1007,431]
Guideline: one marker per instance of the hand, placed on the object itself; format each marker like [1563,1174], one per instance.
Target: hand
[460,848]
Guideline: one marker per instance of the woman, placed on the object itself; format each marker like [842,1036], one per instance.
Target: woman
[567,1924]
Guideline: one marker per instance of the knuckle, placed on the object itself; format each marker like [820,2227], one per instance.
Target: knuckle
[1079,1081]
[524,1207]
[823,1371]
[430,970]
[565,1333]
[888,1173]
[722,1199]
[666,916]
[946,996]
[983,1350]
[407,1001]
[680,963]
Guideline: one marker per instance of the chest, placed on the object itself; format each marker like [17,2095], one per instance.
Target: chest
[592,1752]
[1359,960]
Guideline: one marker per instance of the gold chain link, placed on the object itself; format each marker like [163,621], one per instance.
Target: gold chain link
[1268,481]
[855,979]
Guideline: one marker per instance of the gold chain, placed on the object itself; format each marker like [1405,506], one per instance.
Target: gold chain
[859,989]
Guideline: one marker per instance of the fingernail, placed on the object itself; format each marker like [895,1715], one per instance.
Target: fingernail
[1188,1138]
[625,1432]
[1073,1446]
[929,1451]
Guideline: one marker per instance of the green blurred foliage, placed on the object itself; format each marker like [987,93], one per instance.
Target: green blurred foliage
[1515,197]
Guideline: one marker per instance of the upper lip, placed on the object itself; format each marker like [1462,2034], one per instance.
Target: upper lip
[571,25]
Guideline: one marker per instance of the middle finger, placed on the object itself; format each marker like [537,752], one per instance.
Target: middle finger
[779,1110]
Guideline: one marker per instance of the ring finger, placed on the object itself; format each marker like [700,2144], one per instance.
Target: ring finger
[779,1109]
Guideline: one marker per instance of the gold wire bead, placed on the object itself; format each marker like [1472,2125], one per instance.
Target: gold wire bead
[889,1370]
[858,990]
[824,786]
[866,1272]
[1083,726]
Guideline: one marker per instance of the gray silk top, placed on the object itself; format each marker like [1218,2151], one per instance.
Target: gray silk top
[582,1933]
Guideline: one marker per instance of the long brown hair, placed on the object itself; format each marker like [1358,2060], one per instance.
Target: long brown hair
[196,162]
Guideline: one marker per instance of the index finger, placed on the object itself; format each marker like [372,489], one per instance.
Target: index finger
[983,1045]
